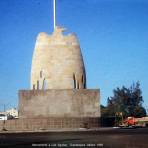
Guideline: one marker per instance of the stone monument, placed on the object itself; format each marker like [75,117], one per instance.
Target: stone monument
[57,62]
[58,97]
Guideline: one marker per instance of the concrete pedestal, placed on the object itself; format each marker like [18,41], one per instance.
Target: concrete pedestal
[59,103]
[63,108]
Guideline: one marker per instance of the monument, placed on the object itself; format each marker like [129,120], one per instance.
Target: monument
[57,62]
[58,97]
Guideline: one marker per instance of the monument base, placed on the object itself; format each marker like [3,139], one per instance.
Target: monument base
[56,109]
[59,103]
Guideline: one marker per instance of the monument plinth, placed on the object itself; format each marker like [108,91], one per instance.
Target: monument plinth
[59,103]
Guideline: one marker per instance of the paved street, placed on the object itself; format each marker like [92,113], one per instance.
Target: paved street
[106,138]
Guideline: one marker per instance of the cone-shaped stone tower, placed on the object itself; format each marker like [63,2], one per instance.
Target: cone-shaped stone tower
[57,62]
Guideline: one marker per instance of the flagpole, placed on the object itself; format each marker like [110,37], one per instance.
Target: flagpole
[54,14]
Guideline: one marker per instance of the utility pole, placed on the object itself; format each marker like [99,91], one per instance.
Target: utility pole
[4,129]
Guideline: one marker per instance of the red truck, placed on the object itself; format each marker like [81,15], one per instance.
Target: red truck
[135,122]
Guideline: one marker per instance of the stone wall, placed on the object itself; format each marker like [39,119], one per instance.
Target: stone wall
[59,103]
[35,124]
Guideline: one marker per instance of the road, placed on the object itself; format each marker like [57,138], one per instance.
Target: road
[103,138]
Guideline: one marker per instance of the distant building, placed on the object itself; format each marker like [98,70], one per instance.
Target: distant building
[13,112]
[9,114]
[3,117]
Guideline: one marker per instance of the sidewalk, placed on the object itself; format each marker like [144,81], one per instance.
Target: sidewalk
[61,130]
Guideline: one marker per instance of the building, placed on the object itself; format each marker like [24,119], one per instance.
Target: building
[3,116]
[13,112]
[9,114]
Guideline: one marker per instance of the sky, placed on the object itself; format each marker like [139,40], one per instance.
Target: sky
[113,37]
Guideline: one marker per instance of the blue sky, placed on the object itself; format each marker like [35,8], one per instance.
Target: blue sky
[113,36]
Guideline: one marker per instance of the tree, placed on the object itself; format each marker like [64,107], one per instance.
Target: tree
[127,101]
